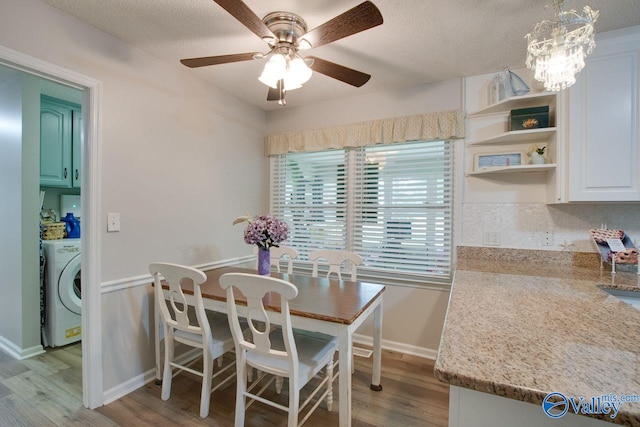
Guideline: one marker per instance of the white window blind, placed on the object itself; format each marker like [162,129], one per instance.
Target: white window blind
[392,204]
[308,191]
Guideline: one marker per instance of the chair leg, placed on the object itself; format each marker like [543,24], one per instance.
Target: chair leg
[329,374]
[168,358]
[219,359]
[205,394]
[279,382]
[353,363]
[241,388]
[294,402]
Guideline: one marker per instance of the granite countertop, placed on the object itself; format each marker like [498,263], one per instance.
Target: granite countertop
[521,324]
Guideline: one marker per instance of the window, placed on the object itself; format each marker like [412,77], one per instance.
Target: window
[392,204]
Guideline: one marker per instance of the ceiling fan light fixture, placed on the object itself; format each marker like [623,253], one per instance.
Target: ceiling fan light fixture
[294,71]
[299,70]
[291,84]
[556,49]
[274,70]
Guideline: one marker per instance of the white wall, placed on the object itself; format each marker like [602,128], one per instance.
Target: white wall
[412,318]
[11,207]
[30,319]
[19,258]
[180,160]
[440,96]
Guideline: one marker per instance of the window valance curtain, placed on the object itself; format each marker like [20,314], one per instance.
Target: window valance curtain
[423,127]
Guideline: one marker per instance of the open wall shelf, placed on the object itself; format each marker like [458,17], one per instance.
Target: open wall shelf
[515,169]
[517,136]
[524,101]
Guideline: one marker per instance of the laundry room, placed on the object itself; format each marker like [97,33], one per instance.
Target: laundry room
[60,213]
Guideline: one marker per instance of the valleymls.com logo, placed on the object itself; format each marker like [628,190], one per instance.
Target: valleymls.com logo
[556,404]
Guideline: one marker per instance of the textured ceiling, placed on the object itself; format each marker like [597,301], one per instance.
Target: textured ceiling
[420,41]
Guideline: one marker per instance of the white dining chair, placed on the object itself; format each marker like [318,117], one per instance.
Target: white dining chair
[192,326]
[281,253]
[336,259]
[276,350]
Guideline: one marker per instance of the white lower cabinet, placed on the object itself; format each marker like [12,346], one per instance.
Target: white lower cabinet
[471,408]
[604,124]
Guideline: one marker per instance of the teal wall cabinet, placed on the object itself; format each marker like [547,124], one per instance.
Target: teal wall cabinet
[60,143]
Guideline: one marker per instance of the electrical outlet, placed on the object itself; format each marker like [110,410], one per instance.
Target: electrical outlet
[113,222]
[547,238]
[491,238]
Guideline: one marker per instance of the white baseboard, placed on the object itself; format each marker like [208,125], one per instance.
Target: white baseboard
[399,347]
[17,352]
[127,387]
[135,383]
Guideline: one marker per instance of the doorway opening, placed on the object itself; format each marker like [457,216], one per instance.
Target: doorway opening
[91,90]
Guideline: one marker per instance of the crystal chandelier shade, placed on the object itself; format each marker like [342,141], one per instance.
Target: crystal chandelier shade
[556,49]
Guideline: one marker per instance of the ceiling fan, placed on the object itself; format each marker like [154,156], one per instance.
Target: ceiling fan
[286,34]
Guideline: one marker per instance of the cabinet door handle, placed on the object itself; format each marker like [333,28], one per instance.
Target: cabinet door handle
[76,174]
[65,173]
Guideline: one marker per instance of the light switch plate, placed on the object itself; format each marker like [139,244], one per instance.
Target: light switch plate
[113,222]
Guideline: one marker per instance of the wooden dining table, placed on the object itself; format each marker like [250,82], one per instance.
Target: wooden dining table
[330,306]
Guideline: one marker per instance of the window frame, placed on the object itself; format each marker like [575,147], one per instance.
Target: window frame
[391,277]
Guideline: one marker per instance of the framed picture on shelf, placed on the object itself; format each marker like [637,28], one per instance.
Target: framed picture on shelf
[488,161]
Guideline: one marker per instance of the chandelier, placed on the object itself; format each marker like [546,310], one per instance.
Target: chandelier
[556,49]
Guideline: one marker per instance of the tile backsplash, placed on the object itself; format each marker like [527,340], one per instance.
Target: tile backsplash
[545,227]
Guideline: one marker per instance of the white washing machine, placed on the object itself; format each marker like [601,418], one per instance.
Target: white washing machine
[63,307]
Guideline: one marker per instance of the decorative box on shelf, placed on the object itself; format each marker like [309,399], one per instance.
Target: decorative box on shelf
[530,118]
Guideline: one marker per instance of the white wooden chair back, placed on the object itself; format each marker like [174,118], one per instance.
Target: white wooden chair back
[209,333]
[254,288]
[279,254]
[178,318]
[336,259]
[274,350]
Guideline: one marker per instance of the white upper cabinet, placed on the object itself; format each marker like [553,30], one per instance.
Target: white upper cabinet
[604,124]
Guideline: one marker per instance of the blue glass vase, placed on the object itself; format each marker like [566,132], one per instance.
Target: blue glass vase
[264,261]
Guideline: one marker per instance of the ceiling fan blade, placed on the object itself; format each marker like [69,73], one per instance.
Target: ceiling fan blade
[215,60]
[242,13]
[339,72]
[362,17]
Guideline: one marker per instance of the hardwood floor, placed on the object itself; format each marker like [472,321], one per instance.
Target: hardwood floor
[46,391]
